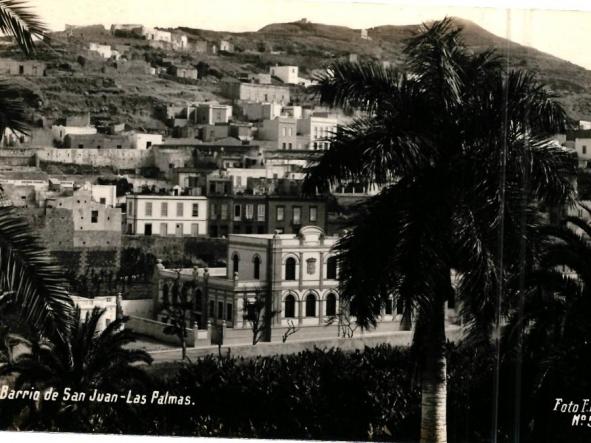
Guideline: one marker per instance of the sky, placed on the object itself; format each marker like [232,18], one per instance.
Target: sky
[564,33]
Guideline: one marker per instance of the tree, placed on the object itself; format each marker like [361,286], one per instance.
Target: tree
[17,20]
[260,315]
[29,279]
[178,313]
[87,360]
[552,328]
[453,141]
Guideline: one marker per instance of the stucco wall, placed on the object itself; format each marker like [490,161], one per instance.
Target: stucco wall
[117,158]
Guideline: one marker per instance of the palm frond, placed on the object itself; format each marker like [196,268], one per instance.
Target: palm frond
[370,151]
[361,86]
[12,110]
[434,55]
[17,20]
[36,282]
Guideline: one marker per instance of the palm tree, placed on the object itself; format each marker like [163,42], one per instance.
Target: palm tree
[552,327]
[87,360]
[17,20]
[29,280]
[453,141]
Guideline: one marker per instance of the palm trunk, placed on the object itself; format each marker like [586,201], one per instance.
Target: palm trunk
[433,381]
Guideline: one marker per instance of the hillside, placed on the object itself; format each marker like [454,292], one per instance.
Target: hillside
[72,84]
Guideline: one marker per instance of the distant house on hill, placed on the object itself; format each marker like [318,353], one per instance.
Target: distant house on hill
[226,46]
[183,72]
[33,68]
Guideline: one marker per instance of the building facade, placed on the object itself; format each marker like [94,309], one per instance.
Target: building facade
[166,215]
[287,74]
[262,214]
[255,92]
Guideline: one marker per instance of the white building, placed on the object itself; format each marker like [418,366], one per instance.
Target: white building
[317,129]
[86,305]
[59,132]
[287,74]
[104,194]
[105,51]
[212,113]
[583,148]
[166,215]
[145,141]
[180,41]
[240,176]
[226,46]
[156,34]
[253,111]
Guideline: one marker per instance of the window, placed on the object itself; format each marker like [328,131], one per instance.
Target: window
[213,211]
[194,229]
[237,212]
[290,146]
[257,267]
[235,263]
[229,311]
[163,229]
[249,211]
[331,305]
[289,306]
[148,229]
[313,213]
[220,313]
[211,313]
[284,146]
[103,201]
[297,215]
[311,266]
[179,209]
[284,131]
[331,268]
[584,149]
[310,305]
[148,209]
[179,229]
[280,216]
[164,209]
[195,212]
[260,212]
[290,269]
[93,216]
[225,211]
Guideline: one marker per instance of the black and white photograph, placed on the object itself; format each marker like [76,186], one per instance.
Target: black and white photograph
[295,220]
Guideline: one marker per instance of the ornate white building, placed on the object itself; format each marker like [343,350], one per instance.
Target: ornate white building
[298,271]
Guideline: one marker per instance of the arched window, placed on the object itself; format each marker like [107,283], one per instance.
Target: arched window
[331,305]
[310,305]
[257,267]
[290,269]
[290,306]
[331,268]
[235,263]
